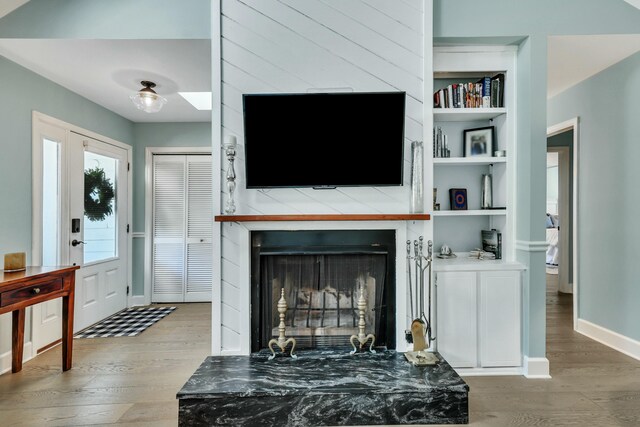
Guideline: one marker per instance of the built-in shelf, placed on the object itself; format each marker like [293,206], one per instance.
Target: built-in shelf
[468,161]
[323,217]
[463,262]
[475,212]
[466,114]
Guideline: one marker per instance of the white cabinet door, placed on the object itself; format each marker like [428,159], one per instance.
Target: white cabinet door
[500,318]
[457,318]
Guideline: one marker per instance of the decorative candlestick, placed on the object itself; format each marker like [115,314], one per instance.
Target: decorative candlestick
[230,150]
[361,337]
[282,341]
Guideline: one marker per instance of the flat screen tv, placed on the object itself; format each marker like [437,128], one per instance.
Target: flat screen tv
[324,140]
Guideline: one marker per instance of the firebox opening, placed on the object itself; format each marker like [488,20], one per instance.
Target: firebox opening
[323,273]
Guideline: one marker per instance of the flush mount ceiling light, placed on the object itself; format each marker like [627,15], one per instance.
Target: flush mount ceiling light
[146,99]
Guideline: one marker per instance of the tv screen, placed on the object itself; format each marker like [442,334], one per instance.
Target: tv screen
[324,139]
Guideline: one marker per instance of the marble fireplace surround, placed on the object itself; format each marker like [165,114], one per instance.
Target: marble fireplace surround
[322,386]
[404,229]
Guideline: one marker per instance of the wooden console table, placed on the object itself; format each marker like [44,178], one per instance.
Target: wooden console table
[22,289]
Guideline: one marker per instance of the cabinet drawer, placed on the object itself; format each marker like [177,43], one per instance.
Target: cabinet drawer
[32,290]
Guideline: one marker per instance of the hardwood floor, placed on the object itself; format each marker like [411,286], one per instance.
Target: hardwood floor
[133,381]
[124,381]
[591,384]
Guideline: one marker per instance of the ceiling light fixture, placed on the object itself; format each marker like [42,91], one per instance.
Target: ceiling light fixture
[146,99]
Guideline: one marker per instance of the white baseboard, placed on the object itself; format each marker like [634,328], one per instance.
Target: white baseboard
[5,358]
[481,372]
[612,339]
[536,367]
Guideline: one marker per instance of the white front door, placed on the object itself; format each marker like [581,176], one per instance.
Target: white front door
[98,239]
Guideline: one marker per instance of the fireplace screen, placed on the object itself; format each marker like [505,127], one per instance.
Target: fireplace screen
[322,292]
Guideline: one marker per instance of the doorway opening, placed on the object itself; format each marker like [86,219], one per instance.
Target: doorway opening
[562,217]
[80,221]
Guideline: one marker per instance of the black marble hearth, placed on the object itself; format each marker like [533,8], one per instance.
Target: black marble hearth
[322,388]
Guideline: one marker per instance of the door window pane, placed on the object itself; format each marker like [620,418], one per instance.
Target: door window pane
[50,202]
[100,224]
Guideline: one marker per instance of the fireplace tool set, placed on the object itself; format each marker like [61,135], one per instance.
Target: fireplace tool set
[420,333]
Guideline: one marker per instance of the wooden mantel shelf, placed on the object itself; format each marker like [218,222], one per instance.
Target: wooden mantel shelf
[324,217]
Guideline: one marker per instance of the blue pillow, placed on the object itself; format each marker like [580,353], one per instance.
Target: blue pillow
[550,222]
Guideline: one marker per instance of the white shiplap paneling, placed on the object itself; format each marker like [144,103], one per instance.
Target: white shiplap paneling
[271,46]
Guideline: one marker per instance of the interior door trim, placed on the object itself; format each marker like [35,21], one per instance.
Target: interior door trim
[148,209]
[39,121]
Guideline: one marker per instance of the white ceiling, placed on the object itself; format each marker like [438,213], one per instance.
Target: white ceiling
[572,59]
[107,72]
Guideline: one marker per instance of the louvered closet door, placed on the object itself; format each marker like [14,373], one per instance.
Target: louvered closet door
[182,228]
[199,229]
[169,200]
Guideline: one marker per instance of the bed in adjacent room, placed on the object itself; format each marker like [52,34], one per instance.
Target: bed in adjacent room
[553,255]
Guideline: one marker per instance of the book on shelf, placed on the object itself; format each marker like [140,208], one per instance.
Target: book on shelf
[454,97]
[440,144]
[488,92]
[492,242]
[497,91]
[485,88]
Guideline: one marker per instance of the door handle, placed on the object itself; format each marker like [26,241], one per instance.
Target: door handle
[75,242]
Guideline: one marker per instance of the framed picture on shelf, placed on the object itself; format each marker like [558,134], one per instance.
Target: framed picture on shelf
[458,199]
[479,142]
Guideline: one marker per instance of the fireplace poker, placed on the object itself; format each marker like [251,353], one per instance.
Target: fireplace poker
[417,281]
[420,257]
[427,319]
[409,277]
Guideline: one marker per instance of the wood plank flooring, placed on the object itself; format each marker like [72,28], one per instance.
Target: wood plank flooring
[591,384]
[133,381]
[124,381]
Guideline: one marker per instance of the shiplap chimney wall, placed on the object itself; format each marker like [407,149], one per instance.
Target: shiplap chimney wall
[269,46]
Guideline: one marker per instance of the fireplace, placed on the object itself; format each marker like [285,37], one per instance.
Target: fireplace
[322,273]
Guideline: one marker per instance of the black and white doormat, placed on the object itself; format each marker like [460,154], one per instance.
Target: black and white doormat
[127,323]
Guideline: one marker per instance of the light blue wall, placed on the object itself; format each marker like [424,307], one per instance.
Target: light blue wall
[491,18]
[156,135]
[109,19]
[461,21]
[608,202]
[21,92]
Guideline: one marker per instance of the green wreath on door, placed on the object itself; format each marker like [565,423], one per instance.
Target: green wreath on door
[98,195]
